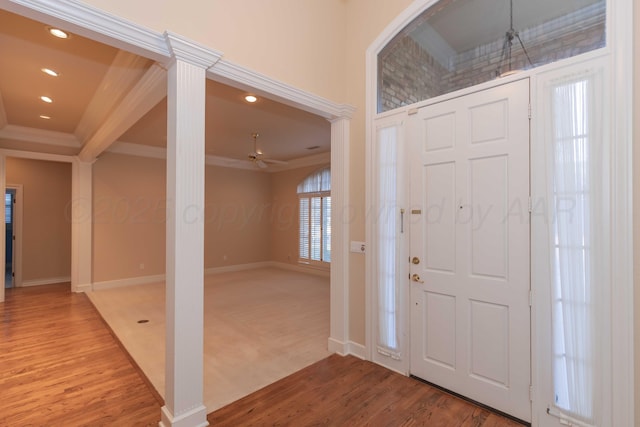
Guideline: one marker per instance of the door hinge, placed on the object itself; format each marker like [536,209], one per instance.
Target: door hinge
[529,111]
[530,393]
[530,205]
[531,298]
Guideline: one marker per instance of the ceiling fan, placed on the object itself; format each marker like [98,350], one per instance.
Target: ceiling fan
[256,156]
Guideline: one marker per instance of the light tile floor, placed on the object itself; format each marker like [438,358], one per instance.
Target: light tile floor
[260,325]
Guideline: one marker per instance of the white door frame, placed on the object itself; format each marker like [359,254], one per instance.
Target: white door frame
[17,232]
[620,52]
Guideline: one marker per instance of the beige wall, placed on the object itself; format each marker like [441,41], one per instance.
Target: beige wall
[237,216]
[298,42]
[46,228]
[284,223]
[129,217]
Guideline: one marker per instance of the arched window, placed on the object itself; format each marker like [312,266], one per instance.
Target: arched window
[446,48]
[314,195]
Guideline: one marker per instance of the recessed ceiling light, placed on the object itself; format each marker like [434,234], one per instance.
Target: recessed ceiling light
[46,99]
[42,116]
[50,72]
[56,32]
[250,98]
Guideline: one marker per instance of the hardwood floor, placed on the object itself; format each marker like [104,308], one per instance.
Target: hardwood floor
[61,366]
[346,391]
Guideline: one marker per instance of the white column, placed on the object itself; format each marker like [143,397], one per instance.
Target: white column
[80,214]
[340,217]
[185,234]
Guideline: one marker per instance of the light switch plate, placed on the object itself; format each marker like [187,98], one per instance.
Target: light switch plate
[358,247]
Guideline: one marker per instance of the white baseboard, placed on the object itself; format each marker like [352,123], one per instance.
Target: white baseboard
[339,347]
[347,348]
[118,283]
[237,267]
[301,268]
[357,350]
[81,288]
[109,284]
[49,281]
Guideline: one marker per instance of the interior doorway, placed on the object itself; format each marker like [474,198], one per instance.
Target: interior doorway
[13,235]
[9,201]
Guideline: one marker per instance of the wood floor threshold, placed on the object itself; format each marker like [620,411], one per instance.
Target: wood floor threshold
[133,362]
[473,402]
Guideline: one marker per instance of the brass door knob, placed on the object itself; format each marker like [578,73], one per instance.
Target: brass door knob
[415,260]
[416,278]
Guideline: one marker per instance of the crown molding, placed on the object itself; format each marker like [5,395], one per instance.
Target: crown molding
[21,133]
[138,150]
[235,75]
[190,51]
[95,24]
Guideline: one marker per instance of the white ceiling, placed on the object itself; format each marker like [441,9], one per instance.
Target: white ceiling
[95,78]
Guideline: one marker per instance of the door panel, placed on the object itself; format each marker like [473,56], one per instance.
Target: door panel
[439,227]
[470,321]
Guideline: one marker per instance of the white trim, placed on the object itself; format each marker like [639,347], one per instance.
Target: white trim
[132,281]
[620,41]
[139,150]
[36,156]
[621,32]
[41,136]
[192,418]
[95,24]
[236,267]
[371,85]
[340,224]
[81,224]
[234,75]
[301,269]
[49,281]
[158,278]
[191,51]
[357,350]
[347,348]
[154,152]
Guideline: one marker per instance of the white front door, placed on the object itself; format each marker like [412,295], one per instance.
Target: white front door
[469,246]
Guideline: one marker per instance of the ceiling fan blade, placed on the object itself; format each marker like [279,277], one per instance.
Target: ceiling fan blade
[261,163]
